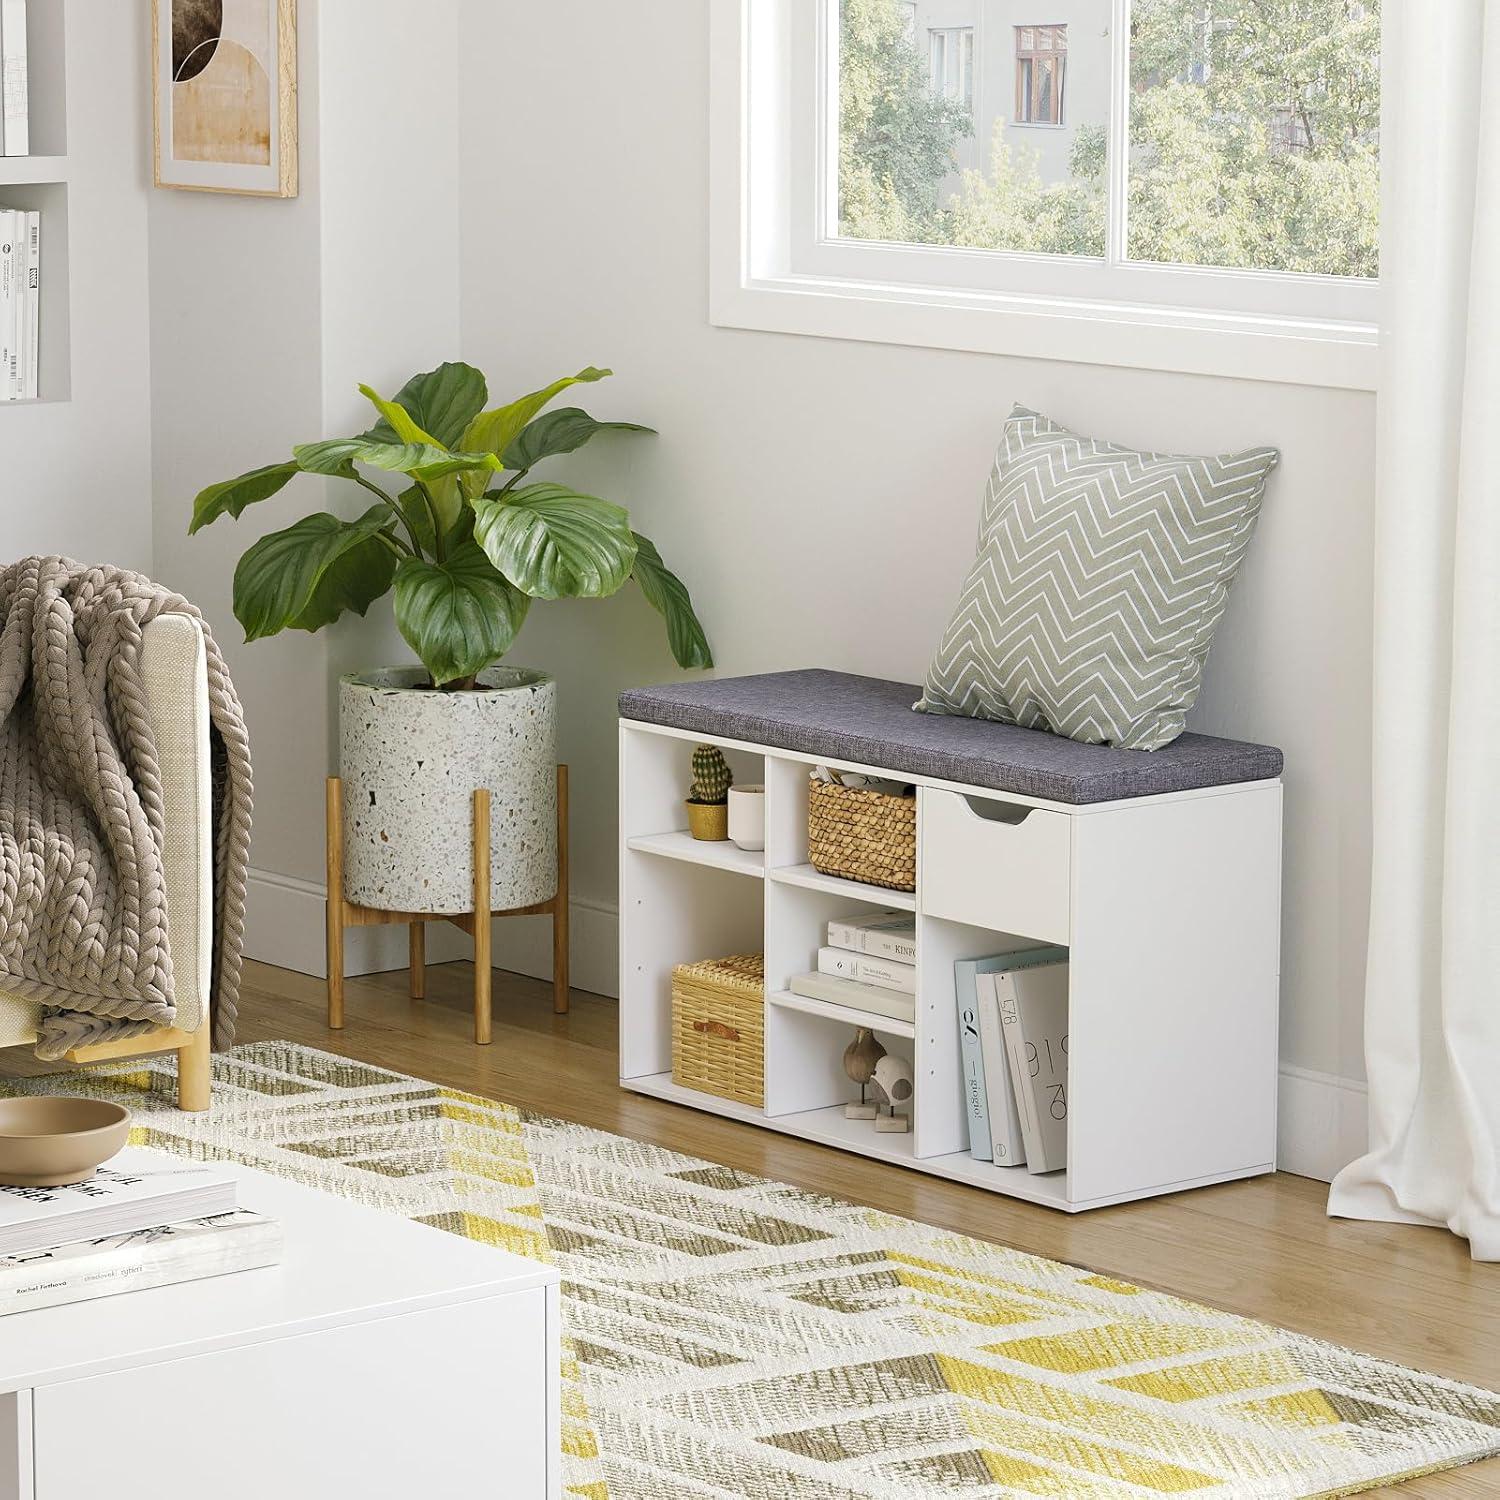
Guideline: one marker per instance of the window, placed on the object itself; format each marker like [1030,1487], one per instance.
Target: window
[951,63]
[1041,58]
[1187,184]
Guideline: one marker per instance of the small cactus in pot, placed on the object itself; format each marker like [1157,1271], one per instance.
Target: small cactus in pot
[708,800]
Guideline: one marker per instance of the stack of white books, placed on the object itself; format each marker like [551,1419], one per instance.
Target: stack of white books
[1013,1041]
[869,964]
[20,302]
[15,87]
[134,1224]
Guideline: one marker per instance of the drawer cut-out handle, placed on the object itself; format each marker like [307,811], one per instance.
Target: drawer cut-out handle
[997,812]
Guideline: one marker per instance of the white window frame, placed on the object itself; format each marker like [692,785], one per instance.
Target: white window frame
[776,264]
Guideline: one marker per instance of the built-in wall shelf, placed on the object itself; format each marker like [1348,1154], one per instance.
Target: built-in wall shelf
[24,170]
[39,182]
[1169,908]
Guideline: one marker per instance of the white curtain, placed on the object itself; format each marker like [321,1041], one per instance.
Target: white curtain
[1432,1004]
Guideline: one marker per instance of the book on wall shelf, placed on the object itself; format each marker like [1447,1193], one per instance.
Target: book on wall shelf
[15,88]
[20,303]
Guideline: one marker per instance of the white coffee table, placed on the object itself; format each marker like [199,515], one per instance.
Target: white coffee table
[382,1358]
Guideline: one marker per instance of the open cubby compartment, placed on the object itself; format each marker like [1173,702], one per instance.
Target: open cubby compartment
[656,772]
[943,1121]
[807,1088]
[786,836]
[50,200]
[676,913]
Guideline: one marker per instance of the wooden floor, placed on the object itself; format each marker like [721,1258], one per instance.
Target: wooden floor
[1263,1248]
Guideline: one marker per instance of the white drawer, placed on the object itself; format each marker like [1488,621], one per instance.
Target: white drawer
[995,864]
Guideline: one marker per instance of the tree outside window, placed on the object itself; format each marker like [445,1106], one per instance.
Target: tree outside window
[1253,135]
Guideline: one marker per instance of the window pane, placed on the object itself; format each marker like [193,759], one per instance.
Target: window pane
[1254,134]
[936,117]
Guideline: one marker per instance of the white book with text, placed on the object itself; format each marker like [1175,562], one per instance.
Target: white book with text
[132,1191]
[14,84]
[32,289]
[888,934]
[137,1260]
[12,227]
[888,973]
[1033,1006]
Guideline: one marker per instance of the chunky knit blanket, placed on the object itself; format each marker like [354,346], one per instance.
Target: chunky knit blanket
[83,910]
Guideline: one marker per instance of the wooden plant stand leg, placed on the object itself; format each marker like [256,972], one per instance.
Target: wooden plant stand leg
[335,903]
[476,922]
[560,902]
[417,961]
[482,916]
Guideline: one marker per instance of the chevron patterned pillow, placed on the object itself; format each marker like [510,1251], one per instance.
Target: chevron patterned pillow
[1100,575]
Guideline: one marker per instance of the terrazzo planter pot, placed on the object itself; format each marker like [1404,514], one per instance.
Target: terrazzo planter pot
[412,758]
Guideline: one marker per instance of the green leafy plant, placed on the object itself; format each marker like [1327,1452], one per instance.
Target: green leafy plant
[712,777]
[464,544]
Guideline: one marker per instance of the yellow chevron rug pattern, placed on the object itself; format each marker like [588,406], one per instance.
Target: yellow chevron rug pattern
[733,1336]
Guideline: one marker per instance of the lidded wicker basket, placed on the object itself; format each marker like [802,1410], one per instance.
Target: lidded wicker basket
[719,1027]
[862,834]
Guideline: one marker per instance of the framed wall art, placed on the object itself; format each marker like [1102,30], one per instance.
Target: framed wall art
[225,94]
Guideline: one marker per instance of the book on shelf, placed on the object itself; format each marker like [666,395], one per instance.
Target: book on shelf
[850,992]
[133,1191]
[989,1099]
[886,934]
[887,973]
[9,294]
[20,294]
[15,106]
[138,1260]
[1033,1006]
[31,286]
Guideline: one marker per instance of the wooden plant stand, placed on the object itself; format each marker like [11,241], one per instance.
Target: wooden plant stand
[342,913]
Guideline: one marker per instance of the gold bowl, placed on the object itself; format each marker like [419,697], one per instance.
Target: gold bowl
[47,1141]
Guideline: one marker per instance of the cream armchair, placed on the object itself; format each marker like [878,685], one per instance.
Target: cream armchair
[174,667]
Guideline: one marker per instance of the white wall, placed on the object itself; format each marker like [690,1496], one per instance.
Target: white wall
[820,497]
[266,315]
[78,470]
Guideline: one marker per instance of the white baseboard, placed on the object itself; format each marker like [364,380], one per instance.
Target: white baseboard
[284,925]
[1322,1118]
[1323,1122]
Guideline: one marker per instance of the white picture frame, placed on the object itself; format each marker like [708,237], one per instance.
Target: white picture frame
[224,92]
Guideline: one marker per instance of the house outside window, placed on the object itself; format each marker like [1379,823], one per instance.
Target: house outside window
[1041,62]
[951,54]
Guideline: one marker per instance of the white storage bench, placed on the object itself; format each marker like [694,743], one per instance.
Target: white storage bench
[1160,871]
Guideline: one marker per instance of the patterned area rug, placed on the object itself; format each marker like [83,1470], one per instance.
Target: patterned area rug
[733,1336]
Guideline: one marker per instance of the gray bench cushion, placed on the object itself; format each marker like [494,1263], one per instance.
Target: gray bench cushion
[871,723]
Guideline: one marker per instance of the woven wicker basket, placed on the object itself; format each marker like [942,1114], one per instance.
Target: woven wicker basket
[719,1027]
[862,834]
